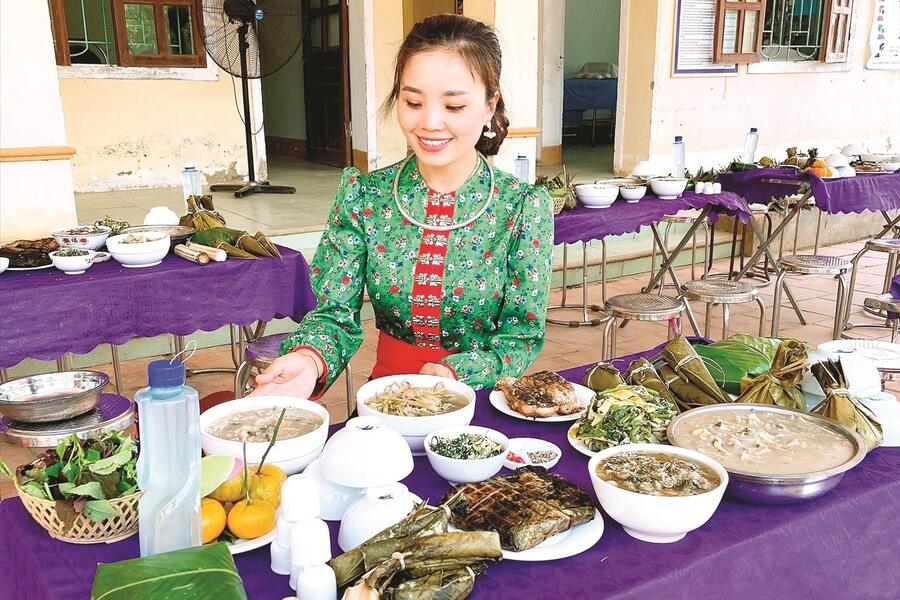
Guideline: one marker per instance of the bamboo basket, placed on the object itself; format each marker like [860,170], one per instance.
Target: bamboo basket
[85,531]
[559,202]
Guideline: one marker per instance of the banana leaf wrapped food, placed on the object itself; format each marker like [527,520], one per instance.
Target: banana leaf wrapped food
[844,407]
[739,356]
[624,415]
[780,385]
[236,243]
[642,372]
[697,386]
[602,376]
[201,214]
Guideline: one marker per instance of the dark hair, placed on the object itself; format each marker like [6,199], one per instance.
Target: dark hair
[474,42]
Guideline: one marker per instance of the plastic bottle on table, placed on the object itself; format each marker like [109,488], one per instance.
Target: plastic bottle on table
[678,157]
[521,168]
[750,142]
[168,466]
[191,183]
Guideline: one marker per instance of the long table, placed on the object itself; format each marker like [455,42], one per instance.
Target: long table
[842,545]
[45,314]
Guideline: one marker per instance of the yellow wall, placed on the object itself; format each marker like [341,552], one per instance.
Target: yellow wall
[823,109]
[390,145]
[139,133]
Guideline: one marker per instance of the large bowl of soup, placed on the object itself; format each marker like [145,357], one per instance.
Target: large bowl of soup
[416,405]
[657,493]
[302,434]
[773,455]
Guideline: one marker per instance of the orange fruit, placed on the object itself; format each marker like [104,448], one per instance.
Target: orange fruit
[250,519]
[230,491]
[214,519]
[267,488]
[271,470]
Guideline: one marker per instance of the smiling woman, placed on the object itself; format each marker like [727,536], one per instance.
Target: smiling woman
[454,254]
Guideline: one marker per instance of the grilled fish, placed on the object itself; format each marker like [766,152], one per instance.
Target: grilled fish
[524,508]
[541,394]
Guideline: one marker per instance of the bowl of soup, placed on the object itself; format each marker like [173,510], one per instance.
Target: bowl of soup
[416,405]
[773,455]
[301,436]
[657,493]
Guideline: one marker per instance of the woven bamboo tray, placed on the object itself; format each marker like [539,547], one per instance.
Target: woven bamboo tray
[559,202]
[83,530]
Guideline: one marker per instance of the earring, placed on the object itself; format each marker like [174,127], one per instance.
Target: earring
[488,133]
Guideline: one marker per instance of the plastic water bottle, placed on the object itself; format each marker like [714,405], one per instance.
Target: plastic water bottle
[678,157]
[750,142]
[168,466]
[521,168]
[191,183]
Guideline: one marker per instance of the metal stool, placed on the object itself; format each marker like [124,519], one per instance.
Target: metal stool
[724,292]
[886,304]
[811,264]
[586,319]
[638,307]
[683,217]
[891,247]
[262,353]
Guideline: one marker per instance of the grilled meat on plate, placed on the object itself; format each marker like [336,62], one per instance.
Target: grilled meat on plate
[524,508]
[541,394]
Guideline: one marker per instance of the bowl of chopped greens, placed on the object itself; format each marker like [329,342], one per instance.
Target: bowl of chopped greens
[82,491]
[467,453]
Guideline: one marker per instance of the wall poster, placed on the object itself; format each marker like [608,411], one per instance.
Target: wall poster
[695,28]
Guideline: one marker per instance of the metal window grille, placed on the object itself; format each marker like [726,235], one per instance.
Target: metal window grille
[792,30]
[90,32]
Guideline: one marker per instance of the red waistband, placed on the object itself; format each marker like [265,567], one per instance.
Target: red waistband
[396,357]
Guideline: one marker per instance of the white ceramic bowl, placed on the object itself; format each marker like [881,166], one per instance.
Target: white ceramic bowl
[379,509]
[139,254]
[658,519]
[853,150]
[890,166]
[414,429]
[457,470]
[846,171]
[596,195]
[366,453]
[334,499]
[668,188]
[632,193]
[643,169]
[73,265]
[78,237]
[4,263]
[837,160]
[291,454]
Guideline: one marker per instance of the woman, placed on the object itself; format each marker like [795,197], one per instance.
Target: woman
[456,255]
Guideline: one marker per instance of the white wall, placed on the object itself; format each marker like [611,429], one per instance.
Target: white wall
[592,32]
[35,196]
[552,36]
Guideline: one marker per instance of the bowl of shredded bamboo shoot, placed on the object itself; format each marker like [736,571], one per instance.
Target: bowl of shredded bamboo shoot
[416,405]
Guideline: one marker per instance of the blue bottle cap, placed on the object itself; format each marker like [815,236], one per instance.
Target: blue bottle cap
[678,138]
[518,156]
[165,373]
[753,130]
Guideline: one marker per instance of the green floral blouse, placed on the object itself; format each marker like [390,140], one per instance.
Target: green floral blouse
[480,291]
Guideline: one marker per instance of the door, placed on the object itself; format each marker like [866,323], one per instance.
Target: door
[326,82]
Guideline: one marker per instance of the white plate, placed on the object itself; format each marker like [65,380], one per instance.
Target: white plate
[578,444]
[582,394]
[522,446]
[573,541]
[884,355]
[243,545]
[29,268]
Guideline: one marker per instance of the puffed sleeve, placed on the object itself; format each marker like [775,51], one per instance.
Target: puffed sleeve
[338,278]
[520,334]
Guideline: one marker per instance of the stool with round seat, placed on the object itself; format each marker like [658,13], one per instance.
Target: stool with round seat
[889,246]
[638,307]
[812,264]
[724,292]
[260,354]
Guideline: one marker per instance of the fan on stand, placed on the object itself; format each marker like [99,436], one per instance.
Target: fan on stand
[251,39]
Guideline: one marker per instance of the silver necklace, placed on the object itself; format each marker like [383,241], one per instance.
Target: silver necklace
[409,218]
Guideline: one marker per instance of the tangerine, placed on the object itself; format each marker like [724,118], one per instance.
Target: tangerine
[250,519]
[266,487]
[230,491]
[214,519]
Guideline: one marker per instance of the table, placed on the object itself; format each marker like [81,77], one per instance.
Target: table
[847,540]
[580,95]
[45,314]
[583,224]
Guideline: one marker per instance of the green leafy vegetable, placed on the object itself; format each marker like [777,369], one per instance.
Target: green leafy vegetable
[625,414]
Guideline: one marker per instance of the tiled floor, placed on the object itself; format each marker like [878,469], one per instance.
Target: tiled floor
[277,214]
[567,347]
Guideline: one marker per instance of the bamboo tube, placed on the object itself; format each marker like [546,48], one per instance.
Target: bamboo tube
[191,254]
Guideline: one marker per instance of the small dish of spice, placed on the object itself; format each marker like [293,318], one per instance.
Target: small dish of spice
[531,452]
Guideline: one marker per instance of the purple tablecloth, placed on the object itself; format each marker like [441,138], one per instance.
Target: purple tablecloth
[584,224]
[844,545]
[46,313]
[866,191]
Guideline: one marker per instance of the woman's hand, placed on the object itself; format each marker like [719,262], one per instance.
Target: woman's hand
[294,374]
[437,369]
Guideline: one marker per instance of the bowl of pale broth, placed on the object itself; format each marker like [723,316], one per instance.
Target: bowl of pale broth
[301,436]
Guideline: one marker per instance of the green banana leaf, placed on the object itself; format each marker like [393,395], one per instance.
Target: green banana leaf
[684,360]
[780,385]
[602,377]
[737,357]
[642,372]
[204,572]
